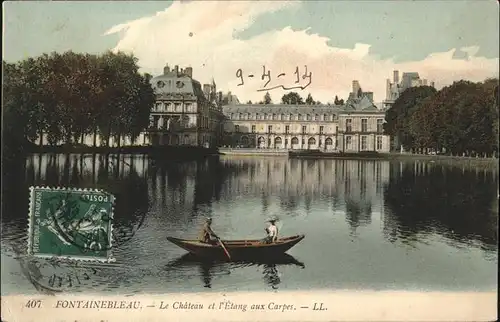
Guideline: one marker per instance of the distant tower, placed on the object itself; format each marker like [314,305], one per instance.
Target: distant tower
[396,77]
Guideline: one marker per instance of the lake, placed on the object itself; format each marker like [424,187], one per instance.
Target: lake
[371,225]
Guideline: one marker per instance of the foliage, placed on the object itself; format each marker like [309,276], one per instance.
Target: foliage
[338,101]
[267,98]
[70,95]
[292,98]
[309,100]
[459,119]
[399,115]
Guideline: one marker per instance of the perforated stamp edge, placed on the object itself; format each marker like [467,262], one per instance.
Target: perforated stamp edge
[109,254]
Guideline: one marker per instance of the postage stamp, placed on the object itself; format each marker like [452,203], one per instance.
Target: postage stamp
[71,223]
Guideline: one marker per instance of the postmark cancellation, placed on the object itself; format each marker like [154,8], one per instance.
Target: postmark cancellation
[68,223]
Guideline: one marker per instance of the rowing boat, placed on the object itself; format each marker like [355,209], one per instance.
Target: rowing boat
[238,249]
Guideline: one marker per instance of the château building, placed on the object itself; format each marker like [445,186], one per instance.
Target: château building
[185,113]
[355,126]
[395,88]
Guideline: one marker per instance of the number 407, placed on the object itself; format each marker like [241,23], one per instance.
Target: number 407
[33,304]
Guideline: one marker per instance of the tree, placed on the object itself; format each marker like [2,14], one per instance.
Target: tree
[292,98]
[336,100]
[398,116]
[309,100]
[267,98]
[69,95]
[459,118]
[249,102]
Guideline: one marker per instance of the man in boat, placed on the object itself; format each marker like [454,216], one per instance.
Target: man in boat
[207,235]
[272,232]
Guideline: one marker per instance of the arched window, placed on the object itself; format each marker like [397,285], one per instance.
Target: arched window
[328,141]
[311,141]
[244,140]
[295,140]
[316,117]
[325,117]
[278,141]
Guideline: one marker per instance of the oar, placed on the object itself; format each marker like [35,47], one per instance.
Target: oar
[224,247]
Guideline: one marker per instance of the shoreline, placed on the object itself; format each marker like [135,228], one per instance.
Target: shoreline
[196,152]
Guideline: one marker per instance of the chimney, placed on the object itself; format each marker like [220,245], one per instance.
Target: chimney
[189,71]
[207,90]
[182,70]
[432,84]
[355,88]
[176,68]
[396,77]
[166,70]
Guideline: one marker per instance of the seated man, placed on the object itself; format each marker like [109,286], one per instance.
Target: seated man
[207,235]
[272,232]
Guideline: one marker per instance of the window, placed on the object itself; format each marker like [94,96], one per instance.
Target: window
[308,117]
[325,117]
[364,145]
[321,129]
[295,140]
[303,129]
[316,117]
[348,125]
[336,129]
[232,116]
[282,117]
[236,128]
[253,128]
[364,125]
[287,129]
[379,143]
[269,128]
[275,117]
[348,142]
[257,116]
[380,125]
[240,116]
[300,117]
[291,117]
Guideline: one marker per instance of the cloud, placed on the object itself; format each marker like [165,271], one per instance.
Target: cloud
[201,34]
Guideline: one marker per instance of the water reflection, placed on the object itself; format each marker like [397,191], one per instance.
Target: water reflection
[358,213]
[423,198]
[210,268]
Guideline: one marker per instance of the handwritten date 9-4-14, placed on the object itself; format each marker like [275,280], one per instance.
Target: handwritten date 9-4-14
[266,75]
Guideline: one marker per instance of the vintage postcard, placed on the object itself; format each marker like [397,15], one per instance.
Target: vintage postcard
[250,161]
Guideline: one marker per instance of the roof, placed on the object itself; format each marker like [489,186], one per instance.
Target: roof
[282,108]
[176,86]
[363,106]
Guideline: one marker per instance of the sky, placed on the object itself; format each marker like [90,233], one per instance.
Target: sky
[338,41]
